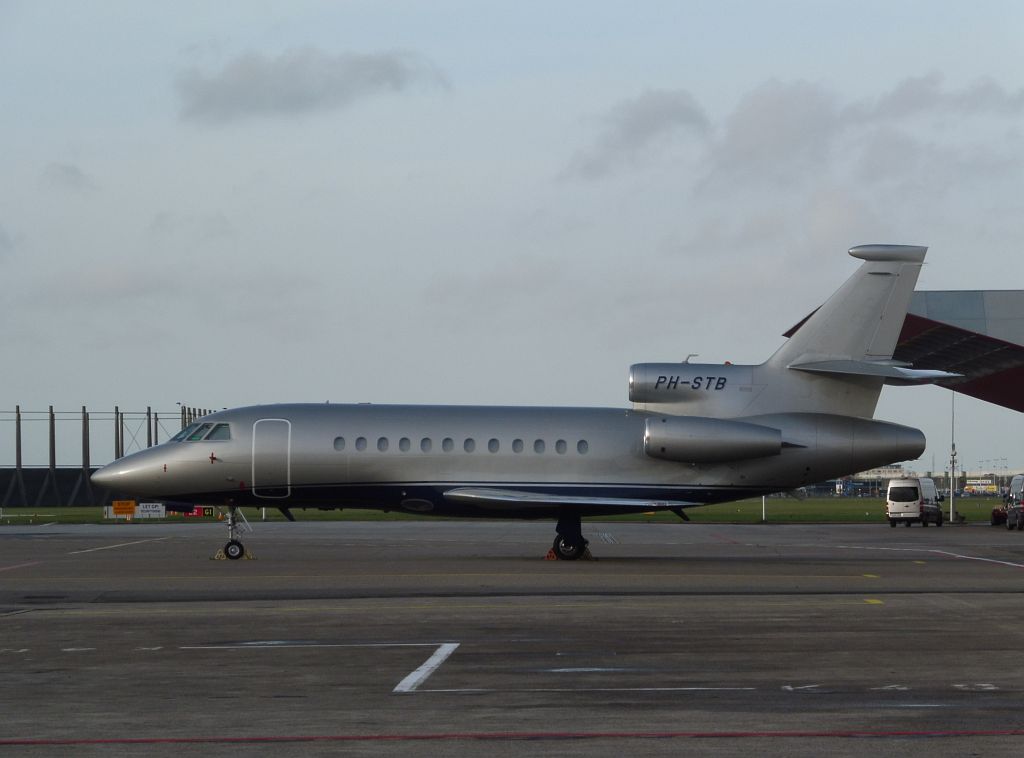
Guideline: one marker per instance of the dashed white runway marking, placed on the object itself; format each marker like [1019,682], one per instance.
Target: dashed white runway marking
[977,558]
[409,684]
[934,551]
[121,544]
[420,675]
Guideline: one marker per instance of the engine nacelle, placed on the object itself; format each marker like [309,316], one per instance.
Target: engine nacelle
[695,439]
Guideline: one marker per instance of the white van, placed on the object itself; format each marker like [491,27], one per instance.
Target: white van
[1015,503]
[910,500]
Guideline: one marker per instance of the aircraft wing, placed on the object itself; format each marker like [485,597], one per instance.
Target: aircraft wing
[486,497]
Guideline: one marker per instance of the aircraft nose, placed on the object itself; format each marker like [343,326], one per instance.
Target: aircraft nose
[133,474]
[106,476]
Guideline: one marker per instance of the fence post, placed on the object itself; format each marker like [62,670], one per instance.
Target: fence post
[17,437]
[85,442]
[53,443]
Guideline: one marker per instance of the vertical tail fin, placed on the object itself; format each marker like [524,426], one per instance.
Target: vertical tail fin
[863,319]
[838,359]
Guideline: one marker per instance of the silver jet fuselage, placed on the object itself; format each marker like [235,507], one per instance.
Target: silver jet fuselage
[446,459]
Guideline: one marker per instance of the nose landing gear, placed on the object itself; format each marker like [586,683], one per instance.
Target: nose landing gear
[234,549]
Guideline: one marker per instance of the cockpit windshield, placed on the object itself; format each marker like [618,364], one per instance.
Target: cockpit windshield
[206,431]
[220,432]
[184,433]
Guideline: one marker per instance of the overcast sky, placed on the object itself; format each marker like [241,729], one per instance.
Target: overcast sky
[484,202]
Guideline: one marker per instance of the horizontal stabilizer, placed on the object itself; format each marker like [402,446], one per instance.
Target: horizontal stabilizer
[503,498]
[891,371]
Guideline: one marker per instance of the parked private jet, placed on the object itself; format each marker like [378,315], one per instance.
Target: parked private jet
[695,434]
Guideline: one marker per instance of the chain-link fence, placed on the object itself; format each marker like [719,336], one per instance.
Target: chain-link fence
[46,457]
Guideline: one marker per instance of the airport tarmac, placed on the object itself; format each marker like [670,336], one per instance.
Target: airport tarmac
[456,638]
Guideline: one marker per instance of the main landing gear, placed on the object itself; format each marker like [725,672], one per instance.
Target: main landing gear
[569,544]
[234,549]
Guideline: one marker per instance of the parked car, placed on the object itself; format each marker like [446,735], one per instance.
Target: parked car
[910,500]
[998,515]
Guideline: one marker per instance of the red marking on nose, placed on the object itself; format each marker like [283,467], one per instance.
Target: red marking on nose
[212,457]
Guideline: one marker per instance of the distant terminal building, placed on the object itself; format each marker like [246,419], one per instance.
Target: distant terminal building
[870,483]
[874,482]
[895,471]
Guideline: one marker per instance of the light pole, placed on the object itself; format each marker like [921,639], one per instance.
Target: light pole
[952,456]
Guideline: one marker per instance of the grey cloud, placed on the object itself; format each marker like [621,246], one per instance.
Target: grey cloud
[777,130]
[67,176]
[925,94]
[634,128]
[784,133]
[297,81]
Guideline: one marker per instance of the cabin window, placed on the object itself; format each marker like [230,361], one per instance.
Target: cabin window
[538,446]
[382,444]
[560,447]
[360,443]
[404,444]
[493,445]
[517,446]
[426,444]
[447,444]
[582,447]
[339,443]
[469,445]
[220,433]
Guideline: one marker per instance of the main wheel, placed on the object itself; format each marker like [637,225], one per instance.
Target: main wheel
[566,550]
[892,522]
[234,550]
[924,521]
[939,522]
[1009,525]
[1020,524]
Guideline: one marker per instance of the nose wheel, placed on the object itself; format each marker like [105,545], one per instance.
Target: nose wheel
[233,550]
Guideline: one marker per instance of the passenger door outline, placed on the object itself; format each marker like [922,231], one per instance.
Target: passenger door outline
[271,445]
